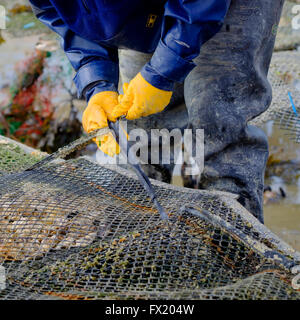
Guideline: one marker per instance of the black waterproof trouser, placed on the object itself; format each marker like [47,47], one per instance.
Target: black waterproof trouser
[227,89]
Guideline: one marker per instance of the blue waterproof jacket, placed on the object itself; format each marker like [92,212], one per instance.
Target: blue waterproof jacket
[93,30]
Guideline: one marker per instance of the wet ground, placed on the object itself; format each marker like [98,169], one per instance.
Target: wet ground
[282,215]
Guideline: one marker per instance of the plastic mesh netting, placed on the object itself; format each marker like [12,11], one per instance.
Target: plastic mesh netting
[13,157]
[284,76]
[76,230]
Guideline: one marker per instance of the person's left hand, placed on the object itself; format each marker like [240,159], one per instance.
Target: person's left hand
[141,99]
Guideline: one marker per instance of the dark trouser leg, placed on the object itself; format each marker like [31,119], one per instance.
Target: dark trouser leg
[228,88]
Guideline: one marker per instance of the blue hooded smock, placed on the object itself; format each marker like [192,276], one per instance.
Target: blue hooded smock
[93,30]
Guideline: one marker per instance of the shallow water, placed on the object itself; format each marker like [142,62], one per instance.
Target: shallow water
[283,216]
[284,220]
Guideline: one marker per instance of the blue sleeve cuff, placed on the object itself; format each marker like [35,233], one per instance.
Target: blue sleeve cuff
[154,78]
[97,87]
[166,67]
[96,71]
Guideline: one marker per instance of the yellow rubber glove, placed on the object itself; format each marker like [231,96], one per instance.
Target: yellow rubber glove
[95,116]
[141,99]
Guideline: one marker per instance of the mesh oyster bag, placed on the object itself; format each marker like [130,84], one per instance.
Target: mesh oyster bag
[77,230]
[284,76]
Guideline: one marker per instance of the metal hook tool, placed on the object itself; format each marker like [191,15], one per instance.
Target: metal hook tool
[132,160]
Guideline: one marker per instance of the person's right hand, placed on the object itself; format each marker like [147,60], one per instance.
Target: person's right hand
[95,116]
